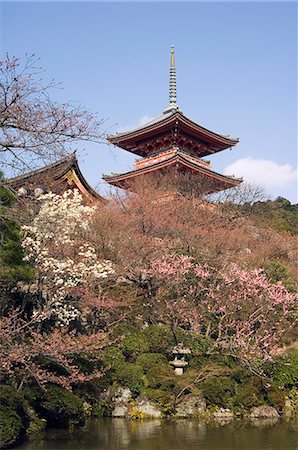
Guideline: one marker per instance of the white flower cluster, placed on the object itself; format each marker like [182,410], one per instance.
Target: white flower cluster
[64,313]
[61,218]
[56,244]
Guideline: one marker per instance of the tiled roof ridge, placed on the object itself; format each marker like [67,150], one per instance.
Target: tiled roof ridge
[163,117]
[176,156]
[71,158]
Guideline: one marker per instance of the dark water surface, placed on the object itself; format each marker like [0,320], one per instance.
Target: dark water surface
[120,434]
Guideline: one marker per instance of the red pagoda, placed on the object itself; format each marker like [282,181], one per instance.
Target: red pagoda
[173,141]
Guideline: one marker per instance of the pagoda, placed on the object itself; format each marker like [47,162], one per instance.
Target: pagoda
[172,141]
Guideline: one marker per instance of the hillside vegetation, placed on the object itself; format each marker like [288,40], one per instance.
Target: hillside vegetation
[94,300]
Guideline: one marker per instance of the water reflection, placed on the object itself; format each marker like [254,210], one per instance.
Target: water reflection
[121,434]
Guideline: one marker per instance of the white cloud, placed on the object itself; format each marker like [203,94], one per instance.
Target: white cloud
[141,121]
[263,172]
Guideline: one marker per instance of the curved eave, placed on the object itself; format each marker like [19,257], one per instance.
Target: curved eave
[124,140]
[61,166]
[124,179]
[55,172]
[87,189]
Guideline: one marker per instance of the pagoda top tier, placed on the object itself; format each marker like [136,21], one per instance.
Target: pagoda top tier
[168,129]
[172,128]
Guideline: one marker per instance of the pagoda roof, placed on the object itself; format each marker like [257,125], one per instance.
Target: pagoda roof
[167,121]
[179,160]
[57,177]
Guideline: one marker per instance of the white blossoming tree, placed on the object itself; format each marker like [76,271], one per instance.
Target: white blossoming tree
[66,263]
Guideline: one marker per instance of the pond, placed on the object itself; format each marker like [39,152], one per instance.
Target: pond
[118,434]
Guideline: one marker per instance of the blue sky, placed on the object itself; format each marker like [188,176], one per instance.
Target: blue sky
[236,73]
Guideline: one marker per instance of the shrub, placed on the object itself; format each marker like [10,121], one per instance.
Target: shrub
[218,390]
[162,377]
[285,370]
[164,399]
[134,344]
[131,376]
[61,407]
[197,343]
[276,398]
[113,357]
[11,427]
[293,396]
[13,418]
[160,339]
[278,271]
[197,362]
[148,360]
[122,329]
[11,399]
[247,397]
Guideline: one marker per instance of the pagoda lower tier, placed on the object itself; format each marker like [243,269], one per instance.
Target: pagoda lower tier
[179,161]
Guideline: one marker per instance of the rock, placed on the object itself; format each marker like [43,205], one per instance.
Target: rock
[190,405]
[120,411]
[264,412]
[146,408]
[121,402]
[223,414]
[122,395]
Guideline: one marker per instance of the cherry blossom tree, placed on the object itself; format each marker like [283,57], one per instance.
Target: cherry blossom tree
[242,311]
[33,126]
[28,355]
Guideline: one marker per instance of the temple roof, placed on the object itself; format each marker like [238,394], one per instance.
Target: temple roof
[179,160]
[57,177]
[208,141]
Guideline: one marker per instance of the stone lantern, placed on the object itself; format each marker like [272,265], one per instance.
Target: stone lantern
[179,352]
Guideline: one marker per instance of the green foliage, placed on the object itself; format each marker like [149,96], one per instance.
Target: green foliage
[11,427]
[61,407]
[131,376]
[113,357]
[122,329]
[275,397]
[256,391]
[160,338]
[13,418]
[197,343]
[134,344]
[293,396]
[218,390]
[278,271]
[161,377]
[285,370]
[10,398]
[103,409]
[12,266]
[221,362]
[163,398]
[247,397]
[278,214]
[148,360]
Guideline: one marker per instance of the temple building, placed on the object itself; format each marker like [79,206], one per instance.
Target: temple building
[173,142]
[57,177]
